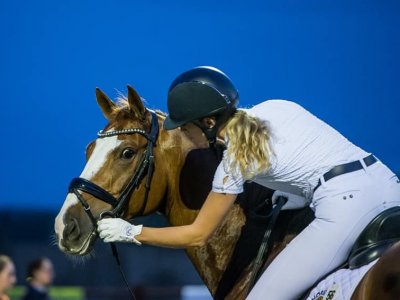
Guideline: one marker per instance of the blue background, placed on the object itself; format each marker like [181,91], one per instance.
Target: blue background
[339,59]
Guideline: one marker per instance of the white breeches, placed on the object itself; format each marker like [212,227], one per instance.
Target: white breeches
[343,207]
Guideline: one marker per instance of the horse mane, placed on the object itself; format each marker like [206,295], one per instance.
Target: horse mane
[122,110]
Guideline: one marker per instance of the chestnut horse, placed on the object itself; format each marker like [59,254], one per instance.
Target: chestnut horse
[181,159]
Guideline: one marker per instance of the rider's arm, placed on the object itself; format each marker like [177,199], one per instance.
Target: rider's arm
[196,234]
[210,216]
[224,191]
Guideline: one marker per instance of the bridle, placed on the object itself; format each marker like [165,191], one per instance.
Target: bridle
[145,167]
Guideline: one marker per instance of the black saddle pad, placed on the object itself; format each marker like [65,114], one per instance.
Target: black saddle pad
[196,176]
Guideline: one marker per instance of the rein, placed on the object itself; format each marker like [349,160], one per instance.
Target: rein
[145,167]
[262,251]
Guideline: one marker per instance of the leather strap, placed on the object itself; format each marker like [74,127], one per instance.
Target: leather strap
[262,251]
[347,168]
[87,186]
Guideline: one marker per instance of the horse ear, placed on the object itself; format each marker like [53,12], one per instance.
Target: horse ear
[136,103]
[106,104]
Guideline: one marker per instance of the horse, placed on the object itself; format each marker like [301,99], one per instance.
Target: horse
[176,187]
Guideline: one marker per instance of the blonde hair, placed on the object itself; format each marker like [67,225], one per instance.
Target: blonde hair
[248,145]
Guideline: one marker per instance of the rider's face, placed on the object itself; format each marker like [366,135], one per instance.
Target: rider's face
[7,277]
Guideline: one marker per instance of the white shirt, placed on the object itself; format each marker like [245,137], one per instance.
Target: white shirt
[304,149]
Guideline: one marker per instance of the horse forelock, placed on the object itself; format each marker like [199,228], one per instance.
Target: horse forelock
[123,114]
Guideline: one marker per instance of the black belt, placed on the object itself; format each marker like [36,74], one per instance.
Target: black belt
[347,168]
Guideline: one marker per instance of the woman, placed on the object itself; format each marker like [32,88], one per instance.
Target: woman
[282,146]
[40,276]
[7,276]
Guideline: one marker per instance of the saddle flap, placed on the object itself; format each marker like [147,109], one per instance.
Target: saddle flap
[382,232]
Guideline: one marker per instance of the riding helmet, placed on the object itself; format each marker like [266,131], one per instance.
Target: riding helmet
[200,92]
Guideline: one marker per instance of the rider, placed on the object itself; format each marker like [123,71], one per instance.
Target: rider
[282,146]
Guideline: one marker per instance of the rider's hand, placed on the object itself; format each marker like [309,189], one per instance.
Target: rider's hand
[294,201]
[118,230]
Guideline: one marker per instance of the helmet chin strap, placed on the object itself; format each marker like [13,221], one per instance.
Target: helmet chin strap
[211,133]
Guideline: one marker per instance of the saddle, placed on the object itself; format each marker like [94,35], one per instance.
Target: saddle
[380,234]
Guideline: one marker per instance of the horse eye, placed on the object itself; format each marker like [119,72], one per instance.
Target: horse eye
[128,153]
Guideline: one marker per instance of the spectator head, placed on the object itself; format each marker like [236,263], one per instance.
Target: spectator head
[40,272]
[7,274]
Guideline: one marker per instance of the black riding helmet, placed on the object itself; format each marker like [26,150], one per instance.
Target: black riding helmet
[198,93]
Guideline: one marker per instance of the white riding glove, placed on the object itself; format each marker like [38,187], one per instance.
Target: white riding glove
[118,230]
[294,201]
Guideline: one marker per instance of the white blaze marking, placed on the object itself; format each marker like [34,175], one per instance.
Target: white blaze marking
[102,148]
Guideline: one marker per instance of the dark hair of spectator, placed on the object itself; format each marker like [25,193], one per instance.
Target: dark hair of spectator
[33,267]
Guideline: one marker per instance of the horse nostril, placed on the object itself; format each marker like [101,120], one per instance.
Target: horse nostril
[71,230]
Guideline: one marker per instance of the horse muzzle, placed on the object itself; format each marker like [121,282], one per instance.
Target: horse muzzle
[76,238]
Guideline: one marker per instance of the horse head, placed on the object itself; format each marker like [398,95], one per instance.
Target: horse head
[118,168]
